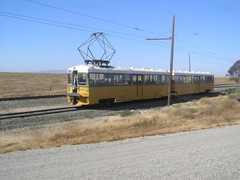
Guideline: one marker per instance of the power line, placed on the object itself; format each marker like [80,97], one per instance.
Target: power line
[75,27]
[205,50]
[143,42]
[92,17]
[112,22]
[46,23]
[65,23]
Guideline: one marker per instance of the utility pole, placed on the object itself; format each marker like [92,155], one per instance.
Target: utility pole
[189,63]
[171,59]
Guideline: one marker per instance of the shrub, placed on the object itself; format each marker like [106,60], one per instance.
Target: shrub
[126,113]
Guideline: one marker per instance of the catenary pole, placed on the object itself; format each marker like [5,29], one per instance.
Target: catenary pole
[171,59]
[171,63]
[189,62]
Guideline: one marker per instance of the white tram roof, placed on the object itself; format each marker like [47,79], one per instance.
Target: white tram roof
[131,70]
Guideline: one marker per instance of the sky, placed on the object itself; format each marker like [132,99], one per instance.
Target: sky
[40,35]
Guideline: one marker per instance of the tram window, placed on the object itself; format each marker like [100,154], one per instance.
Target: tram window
[196,79]
[118,79]
[209,79]
[184,79]
[96,79]
[127,79]
[147,79]
[202,79]
[92,79]
[110,79]
[151,79]
[164,79]
[100,79]
[188,79]
[156,79]
[192,79]
[140,80]
[134,79]
[178,79]
[82,79]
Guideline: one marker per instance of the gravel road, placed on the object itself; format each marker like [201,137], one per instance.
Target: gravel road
[74,114]
[204,154]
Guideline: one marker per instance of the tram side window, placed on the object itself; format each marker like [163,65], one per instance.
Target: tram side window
[148,79]
[140,80]
[82,79]
[157,79]
[164,79]
[109,79]
[184,79]
[152,79]
[209,79]
[196,79]
[95,79]
[118,79]
[134,79]
[92,79]
[127,79]
[178,79]
[202,79]
[100,79]
[137,79]
[189,79]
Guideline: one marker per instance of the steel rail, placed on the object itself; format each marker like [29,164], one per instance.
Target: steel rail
[226,85]
[38,112]
[31,97]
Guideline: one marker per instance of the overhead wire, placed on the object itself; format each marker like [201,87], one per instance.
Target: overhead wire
[41,22]
[86,29]
[92,17]
[123,25]
[65,23]
[69,26]
[203,50]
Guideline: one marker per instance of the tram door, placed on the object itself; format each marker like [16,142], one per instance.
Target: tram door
[196,84]
[138,81]
[75,81]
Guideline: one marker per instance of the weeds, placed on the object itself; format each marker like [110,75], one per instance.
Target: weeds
[233,93]
[199,114]
[126,113]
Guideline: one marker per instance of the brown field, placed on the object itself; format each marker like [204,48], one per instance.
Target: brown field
[31,84]
[223,80]
[40,84]
[199,114]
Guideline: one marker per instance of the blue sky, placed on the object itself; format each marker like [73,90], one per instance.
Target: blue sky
[208,30]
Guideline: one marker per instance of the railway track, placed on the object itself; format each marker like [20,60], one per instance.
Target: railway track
[43,112]
[226,85]
[38,112]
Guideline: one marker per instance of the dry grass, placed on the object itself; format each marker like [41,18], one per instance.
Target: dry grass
[223,80]
[200,114]
[31,84]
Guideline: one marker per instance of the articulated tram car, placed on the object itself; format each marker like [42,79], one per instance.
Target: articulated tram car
[88,84]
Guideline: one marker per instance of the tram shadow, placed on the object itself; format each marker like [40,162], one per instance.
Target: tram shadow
[152,103]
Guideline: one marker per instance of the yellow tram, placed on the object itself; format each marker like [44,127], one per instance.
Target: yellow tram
[90,84]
